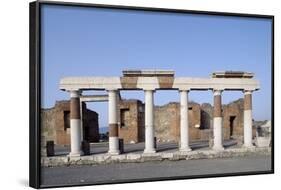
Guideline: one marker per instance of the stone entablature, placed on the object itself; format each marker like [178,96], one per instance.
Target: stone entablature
[153,83]
[153,80]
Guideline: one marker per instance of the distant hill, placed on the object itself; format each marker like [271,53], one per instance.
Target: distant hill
[103,130]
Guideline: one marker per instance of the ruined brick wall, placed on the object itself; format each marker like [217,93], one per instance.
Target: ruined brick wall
[194,117]
[167,122]
[233,120]
[62,122]
[56,123]
[131,121]
[47,126]
[233,115]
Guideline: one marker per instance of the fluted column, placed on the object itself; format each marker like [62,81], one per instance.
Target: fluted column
[112,120]
[149,126]
[75,124]
[248,119]
[184,137]
[217,122]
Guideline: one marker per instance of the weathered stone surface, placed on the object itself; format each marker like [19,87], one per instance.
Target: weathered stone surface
[248,101]
[217,106]
[173,156]
[113,130]
[233,114]
[168,155]
[131,125]
[166,82]
[129,82]
[167,121]
[133,156]
[119,157]
[55,124]
[151,157]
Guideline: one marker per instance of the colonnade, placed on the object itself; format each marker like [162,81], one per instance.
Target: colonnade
[75,121]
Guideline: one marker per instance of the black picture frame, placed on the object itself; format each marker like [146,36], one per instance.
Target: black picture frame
[35,85]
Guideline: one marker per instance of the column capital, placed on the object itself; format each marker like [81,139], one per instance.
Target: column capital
[217,92]
[248,91]
[149,90]
[112,90]
[184,90]
[75,93]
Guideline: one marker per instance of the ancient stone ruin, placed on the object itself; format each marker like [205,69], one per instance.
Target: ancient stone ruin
[223,122]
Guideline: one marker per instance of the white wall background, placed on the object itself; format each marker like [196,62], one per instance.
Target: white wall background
[14,57]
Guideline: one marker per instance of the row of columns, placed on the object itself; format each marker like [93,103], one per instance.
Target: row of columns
[75,122]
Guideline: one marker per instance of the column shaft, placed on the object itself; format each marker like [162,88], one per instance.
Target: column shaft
[149,126]
[184,139]
[75,124]
[81,114]
[112,120]
[217,123]
[248,119]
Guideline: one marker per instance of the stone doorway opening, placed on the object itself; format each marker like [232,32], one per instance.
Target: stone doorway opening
[98,126]
[232,122]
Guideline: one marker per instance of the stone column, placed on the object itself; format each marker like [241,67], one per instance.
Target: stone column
[81,114]
[217,122]
[248,119]
[184,140]
[75,124]
[149,126]
[112,120]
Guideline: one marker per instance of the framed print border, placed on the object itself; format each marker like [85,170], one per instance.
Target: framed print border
[35,87]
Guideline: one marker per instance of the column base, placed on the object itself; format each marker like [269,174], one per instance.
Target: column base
[185,149]
[149,151]
[113,152]
[76,154]
[219,148]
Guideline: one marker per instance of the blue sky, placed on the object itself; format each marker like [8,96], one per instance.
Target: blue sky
[83,41]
